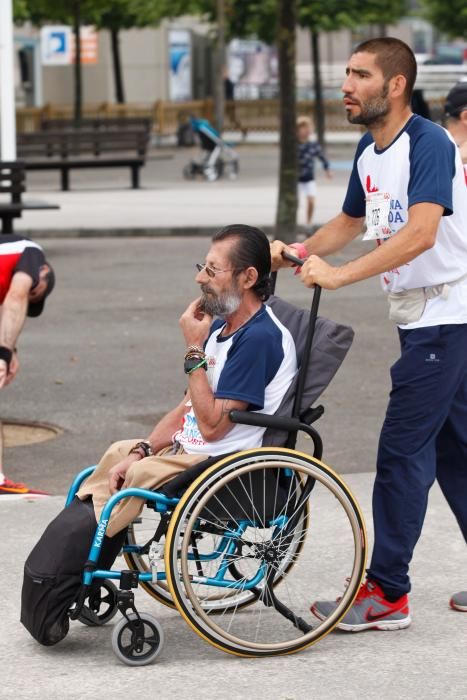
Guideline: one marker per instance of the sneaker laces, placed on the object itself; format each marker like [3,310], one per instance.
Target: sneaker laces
[363,592]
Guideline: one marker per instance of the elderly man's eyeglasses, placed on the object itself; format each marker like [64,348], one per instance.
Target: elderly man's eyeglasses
[211,271]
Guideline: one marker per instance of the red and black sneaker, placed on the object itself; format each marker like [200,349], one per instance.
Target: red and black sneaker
[370,610]
[10,490]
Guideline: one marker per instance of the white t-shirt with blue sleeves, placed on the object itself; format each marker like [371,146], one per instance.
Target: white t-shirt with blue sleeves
[256,364]
[422,164]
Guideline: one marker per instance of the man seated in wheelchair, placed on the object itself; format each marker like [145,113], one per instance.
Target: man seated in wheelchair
[238,356]
[245,360]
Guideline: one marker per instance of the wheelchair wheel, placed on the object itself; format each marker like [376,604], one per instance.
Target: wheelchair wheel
[100,606]
[255,501]
[141,532]
[131,650]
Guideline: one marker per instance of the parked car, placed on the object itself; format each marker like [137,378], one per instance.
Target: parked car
[448,54]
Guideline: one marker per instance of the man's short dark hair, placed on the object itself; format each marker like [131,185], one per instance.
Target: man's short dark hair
[394,57]
[252,249]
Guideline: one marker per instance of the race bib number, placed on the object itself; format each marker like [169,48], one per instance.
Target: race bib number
[377,209]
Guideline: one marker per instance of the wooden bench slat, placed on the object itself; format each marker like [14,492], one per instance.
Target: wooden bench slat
[101,123]
[68,149]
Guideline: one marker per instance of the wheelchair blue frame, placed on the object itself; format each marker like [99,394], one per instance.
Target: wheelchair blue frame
[162,503]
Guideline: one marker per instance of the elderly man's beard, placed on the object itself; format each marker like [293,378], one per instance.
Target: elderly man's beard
[222,304]
[373,110]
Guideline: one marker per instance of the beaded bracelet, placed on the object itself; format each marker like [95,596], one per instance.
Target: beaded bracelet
[194,348]
[192,354]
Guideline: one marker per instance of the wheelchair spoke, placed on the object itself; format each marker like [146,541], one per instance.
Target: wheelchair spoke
[274,559]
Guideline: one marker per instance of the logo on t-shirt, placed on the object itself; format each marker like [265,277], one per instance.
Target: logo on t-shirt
[369,188]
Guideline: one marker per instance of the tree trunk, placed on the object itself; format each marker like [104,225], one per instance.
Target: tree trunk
[286,217]
[78,106]
[220,62]
[117,66]
[319,102]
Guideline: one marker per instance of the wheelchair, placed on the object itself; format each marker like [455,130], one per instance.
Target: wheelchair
[240,548]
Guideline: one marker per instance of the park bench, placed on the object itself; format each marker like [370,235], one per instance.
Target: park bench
[67,150]
[12,187]
[98,123]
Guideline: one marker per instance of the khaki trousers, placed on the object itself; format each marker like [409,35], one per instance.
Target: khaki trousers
[147,473]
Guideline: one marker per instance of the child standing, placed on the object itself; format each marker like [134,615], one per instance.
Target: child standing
[307,152]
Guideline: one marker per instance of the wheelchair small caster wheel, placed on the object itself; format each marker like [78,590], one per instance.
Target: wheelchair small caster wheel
[100,605]
[136,649]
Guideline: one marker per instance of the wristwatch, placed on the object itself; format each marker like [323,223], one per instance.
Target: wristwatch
[191,364]
[143,447]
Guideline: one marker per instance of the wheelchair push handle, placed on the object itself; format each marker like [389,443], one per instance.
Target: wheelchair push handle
[298,262]
[292,258]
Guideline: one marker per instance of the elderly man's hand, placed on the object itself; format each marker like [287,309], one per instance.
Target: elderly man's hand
[195,323]
[117,474]
[277,261]
[317,271]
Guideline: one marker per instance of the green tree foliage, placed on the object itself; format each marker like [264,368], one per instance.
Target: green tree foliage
[448,17]
[20,10]
[40,12]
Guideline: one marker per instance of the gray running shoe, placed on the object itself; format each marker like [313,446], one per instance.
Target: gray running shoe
[459,601]
[370,610]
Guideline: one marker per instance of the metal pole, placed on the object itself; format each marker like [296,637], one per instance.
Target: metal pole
[7,84]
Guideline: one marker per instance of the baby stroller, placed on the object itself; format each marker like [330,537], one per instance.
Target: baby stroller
[218,158]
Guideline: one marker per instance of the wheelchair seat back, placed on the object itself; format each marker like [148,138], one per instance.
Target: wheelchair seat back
[331,342]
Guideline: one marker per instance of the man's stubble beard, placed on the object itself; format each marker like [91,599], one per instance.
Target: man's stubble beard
[372,111]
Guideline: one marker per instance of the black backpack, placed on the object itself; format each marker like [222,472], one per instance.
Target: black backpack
[53,571]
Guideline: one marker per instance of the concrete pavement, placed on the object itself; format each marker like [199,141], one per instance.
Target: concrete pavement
[102,203]
[426,660]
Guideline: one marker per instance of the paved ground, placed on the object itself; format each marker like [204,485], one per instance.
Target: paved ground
[102,202]
[104,362]
[427,660]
